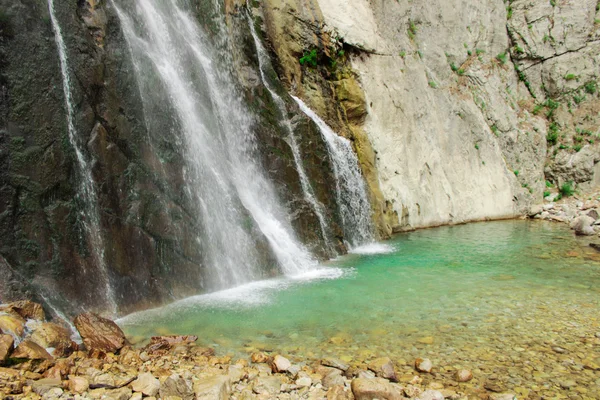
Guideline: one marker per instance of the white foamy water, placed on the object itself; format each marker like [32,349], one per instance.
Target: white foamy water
[373,248]
[253,294]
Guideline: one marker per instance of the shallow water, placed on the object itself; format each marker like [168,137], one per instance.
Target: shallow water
[493,297]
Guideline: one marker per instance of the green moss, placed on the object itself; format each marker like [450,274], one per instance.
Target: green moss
[309,58]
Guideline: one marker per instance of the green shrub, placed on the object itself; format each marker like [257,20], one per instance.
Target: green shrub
[502,57]
[546,194]
[516,172]
[577,147]
[553,132]
[432,84]
[567,189]
[402,54]
[453,67]
[309,58]
[479,52]
[549,184]
[412,30]
[591,87]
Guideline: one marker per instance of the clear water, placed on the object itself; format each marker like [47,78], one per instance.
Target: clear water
[484,292]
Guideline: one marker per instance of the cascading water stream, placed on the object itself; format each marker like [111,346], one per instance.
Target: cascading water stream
[236,207]
[351,191]
[309,194]
[90,214]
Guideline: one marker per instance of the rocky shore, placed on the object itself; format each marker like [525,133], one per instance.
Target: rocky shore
[581,212]
[41,361]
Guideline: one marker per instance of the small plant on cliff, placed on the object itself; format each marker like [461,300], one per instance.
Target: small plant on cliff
[570,77]
[432,84]
[567,189]
[309,58]
[516,172]
[412,30]
[502,57]
[591,87]
[552,136]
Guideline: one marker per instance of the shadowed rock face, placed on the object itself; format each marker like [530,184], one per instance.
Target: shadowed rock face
[147,221]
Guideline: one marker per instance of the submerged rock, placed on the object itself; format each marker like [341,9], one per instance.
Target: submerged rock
[464,375]
[335,363]
[99,333]
[431,395]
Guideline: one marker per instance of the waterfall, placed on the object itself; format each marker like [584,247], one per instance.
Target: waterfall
[309,193]
[87,191]
[179,69]
[351,191]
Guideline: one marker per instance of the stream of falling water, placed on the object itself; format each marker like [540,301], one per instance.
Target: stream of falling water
[237,207]
[309,193]
[87,191]
[352,197]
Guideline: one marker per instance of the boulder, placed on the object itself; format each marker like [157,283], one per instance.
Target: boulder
[280,364]
[176,386]
[78,384]
[216,387]
[464,375]
[52,335]
[31,351]
[99,333]
[378,388]
[12,324]
[582,225]
[334,378]
[26,309]
[146,384]
[383,368]
[423,365]
[6,346]
[535,210]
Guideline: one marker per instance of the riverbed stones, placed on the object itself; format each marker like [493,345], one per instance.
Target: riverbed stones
[464,375]
[267,385]
[377,388]
[335,363]
[42,386]
[6,346]
[146,384]
[383,368]
[52,335]
[339,393]
[259,358]
[99,333]
[280,364]
[423,365]
[31,351]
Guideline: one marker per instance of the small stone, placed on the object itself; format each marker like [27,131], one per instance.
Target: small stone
[55,336]
[335,363]
[339,393]
[384,368]
[31,351]
[216,387]
[423,365]
[464,375]
[136,396]
[177,386]
[559,350]
[568,384]
[259,358]
[99,333]
[146,384]
[493,387]
[123,393]
[378,388]
[267,385]
[431,395]
[280,364]
[335,378]
[42,386]
[304,381]
[78,384]
[503,396]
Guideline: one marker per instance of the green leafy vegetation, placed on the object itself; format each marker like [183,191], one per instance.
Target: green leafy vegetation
[567,189]
[502,57]
[412,30]
[570,77]
[591,87]
[309,58]
[516,172]
[432,84]
[553,132]
[402,54]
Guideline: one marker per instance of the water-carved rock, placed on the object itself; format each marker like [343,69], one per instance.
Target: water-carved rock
[99,333]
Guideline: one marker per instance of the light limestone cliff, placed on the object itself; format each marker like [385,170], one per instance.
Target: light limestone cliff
[454,122]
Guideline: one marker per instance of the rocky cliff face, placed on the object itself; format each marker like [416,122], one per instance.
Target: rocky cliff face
[461,101]
[458,110]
